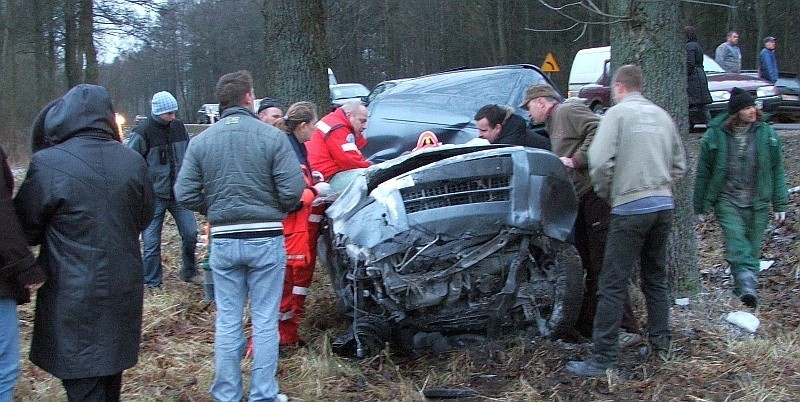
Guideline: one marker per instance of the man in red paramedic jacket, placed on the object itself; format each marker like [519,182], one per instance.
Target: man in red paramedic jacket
[336,144]
[336,147]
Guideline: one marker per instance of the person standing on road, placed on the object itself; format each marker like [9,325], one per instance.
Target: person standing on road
[85,199]
[299,125]
[634,160]
[767,63]
[572,127]
[243,175]
[500,125]
[162,140]
[696,80]
[739,175]
[269,111]
[728,54]
[20,277]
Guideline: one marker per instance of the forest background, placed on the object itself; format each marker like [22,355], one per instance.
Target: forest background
[137,47]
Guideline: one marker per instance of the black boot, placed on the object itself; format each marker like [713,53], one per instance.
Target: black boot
[745,287]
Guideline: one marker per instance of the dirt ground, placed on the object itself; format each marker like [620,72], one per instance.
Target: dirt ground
[711,361]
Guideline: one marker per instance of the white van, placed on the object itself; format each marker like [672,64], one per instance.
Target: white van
[587,67]
[332,78]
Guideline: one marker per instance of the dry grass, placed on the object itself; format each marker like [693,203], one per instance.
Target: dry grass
[712,360]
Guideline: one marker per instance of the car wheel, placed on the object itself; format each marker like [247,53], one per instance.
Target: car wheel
[598,108]
[372,332]
[558,307]
[339,269]
[365,337]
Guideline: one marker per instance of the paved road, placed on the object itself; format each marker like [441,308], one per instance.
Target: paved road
[786,127]
[777,126]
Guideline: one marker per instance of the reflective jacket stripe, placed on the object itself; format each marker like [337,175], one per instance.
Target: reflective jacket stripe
[300,291]
[350,146]
[326,128]
[285,316]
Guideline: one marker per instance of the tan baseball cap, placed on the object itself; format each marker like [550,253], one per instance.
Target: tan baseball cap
[538,91]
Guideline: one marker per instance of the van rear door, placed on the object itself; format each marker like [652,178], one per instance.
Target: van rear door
[587,68]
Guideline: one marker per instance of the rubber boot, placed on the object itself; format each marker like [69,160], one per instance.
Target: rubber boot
[745,287]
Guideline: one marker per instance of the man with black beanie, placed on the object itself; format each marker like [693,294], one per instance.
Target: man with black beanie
[269,111]
[740,175]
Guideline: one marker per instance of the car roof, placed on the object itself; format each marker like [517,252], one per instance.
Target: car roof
[503,85]
[444,103]
[450,81]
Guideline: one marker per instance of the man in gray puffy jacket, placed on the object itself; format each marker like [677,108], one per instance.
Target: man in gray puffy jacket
[244,176]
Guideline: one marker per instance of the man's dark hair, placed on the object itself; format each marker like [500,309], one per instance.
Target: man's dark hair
[495,114]
[631,77]
[690,33]
[232,88]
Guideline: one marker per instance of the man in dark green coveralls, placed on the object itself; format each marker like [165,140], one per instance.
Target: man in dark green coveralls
[740,174]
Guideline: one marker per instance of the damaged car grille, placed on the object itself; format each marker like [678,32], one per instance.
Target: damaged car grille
[460,241]
[462,191]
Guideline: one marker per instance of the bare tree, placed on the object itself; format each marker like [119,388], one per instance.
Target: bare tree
[86,47]
[647,33]
[296,51]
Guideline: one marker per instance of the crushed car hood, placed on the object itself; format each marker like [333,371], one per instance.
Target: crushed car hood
[433,190]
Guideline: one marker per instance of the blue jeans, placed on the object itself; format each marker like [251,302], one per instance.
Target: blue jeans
[242,266]
[9,348]
[630,238]
[151,239]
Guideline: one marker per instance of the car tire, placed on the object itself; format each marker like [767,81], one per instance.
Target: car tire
[338,269]
[598,108]
[373,333]
[563,268]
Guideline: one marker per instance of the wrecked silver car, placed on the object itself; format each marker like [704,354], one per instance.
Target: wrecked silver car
[446,246]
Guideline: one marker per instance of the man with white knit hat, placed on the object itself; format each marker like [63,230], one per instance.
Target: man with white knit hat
[162,140]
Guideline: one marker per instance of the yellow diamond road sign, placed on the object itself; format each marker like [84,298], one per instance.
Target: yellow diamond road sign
[550,64]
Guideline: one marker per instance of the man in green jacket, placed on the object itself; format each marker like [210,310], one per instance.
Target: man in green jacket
[571,127]
[739,174]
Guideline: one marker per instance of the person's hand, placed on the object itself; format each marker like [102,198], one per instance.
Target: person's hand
[780,217]
[317,177]
[700,218]
[322,188]
[568,162]
[33,287]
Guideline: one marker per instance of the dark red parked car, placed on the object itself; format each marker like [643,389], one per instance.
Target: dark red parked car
[720,83]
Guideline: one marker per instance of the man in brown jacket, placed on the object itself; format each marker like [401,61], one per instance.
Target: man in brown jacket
[571,126]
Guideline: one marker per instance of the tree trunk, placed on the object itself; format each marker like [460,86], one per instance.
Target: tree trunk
[502,45]
[652,39]
[87,51]
[296,51]
[72,67]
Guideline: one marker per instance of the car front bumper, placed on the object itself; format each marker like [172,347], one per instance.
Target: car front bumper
[768,104]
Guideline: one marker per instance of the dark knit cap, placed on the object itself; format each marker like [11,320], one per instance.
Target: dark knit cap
[267,103]
[739,100]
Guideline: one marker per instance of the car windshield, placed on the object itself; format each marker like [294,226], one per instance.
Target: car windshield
[349,91]
[711,66]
